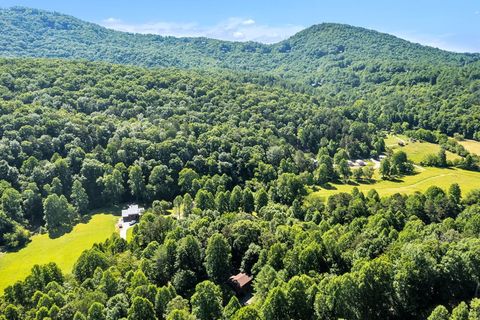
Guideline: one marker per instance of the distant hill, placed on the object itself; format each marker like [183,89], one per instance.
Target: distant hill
[324,53]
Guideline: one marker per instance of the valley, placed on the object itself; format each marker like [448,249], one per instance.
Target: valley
[255,164]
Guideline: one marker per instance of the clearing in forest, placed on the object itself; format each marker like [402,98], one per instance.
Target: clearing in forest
[64,250]
[416,150]
[420,181]
[472,146]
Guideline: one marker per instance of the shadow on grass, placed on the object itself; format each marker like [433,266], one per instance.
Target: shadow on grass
[369,181]
[58,232]
[352,183]
[329,186]
[114,210]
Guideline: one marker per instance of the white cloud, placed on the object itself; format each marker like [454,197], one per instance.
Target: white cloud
[238,34]
[248,22]
[234,28]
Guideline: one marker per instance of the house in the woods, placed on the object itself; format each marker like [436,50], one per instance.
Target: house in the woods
[132,213]
[241,283]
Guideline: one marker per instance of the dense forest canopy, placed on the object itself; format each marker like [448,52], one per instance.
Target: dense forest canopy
[319,53]
[221,141]
[93,123]
[379,77]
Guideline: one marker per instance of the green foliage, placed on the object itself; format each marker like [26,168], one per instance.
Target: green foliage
[11,201]
[136,182]
[141,309]
[88,262]
[96,312]
[439,313]
[231,308]
[275,306]
[207,301]
[238,142]
[79,197]
[247,313]
[218,258]
[58,213]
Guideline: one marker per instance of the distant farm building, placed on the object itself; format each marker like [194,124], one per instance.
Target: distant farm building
[360,163]
[132,213]
[241,283]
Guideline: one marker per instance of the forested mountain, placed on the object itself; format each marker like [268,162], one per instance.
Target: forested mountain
[221,141]
[377,77]
[321,53]
[217,147]
[65,122]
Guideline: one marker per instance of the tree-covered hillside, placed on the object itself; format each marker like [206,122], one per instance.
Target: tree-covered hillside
[220,142]
[76,130]
[376,77]
[223,163]
[85,135]
[321,54]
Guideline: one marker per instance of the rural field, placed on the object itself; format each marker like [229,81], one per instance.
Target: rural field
[420,181]
[417,151]
[423,178]
[471,146]
[64,251]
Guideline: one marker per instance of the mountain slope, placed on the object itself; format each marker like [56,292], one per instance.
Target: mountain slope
[309,55]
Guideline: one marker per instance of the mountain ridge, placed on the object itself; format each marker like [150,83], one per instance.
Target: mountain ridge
[305,55]
[314,27]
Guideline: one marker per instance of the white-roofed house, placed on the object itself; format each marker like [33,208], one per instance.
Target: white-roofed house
[132,213]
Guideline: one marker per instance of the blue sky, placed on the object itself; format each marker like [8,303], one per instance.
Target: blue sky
[448,24]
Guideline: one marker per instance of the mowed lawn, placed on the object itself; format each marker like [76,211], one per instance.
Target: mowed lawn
[416,151]
[471,146]
[64,250]
[129,234]
[421,181]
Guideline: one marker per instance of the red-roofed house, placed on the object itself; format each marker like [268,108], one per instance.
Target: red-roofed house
[241,283]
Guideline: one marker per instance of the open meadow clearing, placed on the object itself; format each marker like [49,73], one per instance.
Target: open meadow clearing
[471,146]
[64,251]
[420,181]
[416,151]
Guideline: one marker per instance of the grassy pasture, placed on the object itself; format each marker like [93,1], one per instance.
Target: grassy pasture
[420,181]
[472,146]
[64,251]
[416,151]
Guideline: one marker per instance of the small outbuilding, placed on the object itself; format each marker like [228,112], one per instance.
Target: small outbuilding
[241,283]
[132,213]
[360,163]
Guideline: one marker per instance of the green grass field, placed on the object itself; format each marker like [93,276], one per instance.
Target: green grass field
[416,151]
[424,178]
[64,250]
[129,234]
[471,146]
